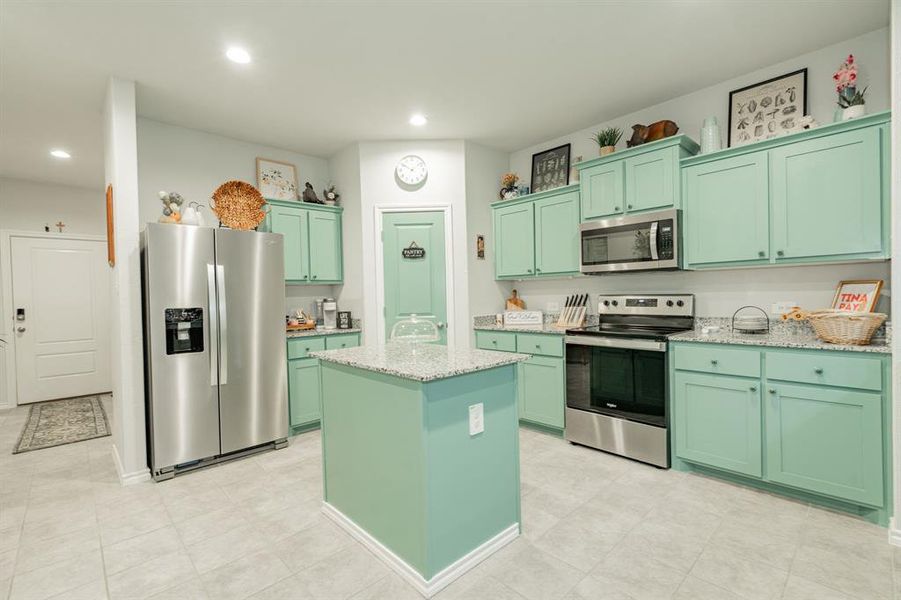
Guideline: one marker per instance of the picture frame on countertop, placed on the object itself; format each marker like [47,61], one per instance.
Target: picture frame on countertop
[276,180]
[344,319]
[550,168]
[857,295]
[767,109]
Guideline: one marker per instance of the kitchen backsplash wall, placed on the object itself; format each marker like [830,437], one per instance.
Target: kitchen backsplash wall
[718,293]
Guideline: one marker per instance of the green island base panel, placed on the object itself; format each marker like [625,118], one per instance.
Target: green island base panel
[403,475]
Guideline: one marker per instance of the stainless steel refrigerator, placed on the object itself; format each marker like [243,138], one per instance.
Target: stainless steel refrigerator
[214,345]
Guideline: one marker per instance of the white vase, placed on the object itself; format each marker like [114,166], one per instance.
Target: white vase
[852,112]
[711,137]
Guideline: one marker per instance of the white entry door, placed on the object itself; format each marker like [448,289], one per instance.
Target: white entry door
[61,310]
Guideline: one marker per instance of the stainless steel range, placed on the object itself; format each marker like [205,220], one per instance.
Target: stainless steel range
[616,375]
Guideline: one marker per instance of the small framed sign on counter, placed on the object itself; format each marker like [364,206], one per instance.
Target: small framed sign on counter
[523,318]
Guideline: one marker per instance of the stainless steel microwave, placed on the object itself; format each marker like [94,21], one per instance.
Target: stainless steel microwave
[631,243]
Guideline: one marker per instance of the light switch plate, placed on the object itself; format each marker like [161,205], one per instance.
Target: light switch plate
[476,418]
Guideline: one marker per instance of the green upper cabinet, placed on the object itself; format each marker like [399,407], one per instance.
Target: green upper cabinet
[292,224]
[514,235]
[634,180]
[718,421]
[325,246]
[726,211]
[602,190]
[819,195]
[827,196]
[827,441]
[557,234]
[312,239]
[537,235]
[651,180]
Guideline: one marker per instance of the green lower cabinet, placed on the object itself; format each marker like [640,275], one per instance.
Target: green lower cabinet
[542,380]
[826,440]
[304,397]
[718,421]
[303,391]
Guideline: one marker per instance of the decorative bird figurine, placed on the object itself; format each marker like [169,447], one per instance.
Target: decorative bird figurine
[309,194]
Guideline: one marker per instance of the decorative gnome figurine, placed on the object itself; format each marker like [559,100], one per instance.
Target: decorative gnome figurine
[172,202]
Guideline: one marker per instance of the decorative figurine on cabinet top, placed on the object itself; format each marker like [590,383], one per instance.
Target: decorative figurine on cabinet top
[309,194]
[642,134]
[508,186]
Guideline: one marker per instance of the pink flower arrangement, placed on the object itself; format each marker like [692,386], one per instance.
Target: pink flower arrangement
[846,84]
[846,76]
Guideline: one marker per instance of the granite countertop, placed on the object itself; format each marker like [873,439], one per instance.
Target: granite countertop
[419,362]
[316,332]
[543,328]
[784,338]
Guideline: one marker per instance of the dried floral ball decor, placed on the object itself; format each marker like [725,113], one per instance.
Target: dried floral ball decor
[238,205]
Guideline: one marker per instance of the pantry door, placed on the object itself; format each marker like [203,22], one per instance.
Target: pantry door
[61,296]
[415,271]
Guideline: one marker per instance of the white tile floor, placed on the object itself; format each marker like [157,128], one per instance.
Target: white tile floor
[594,527]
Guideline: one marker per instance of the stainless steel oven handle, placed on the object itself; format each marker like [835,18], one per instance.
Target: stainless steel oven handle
[605,342]
[653,241]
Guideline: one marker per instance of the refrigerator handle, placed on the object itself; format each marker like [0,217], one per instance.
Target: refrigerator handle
[213,321]
[223,326]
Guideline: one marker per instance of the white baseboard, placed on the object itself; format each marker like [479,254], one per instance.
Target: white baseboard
[441,580]
[139,476]
[894,533]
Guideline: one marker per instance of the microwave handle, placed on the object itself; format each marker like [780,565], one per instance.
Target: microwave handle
[653,241]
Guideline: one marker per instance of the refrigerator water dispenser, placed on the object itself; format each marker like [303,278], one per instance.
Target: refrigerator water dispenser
[184,330]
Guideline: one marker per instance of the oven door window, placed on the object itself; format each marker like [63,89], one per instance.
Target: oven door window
[630,384]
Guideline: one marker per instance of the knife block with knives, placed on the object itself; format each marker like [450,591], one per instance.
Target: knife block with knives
[575,309]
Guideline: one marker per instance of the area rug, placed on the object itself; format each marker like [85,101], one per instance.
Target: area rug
[66,421]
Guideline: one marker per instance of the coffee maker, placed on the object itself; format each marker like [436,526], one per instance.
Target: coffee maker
[329,313]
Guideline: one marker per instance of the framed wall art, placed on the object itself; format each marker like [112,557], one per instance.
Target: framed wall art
[550,168]
[767,109]
[858,295]
[276,180]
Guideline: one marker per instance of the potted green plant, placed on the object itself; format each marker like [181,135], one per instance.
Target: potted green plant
[606,139]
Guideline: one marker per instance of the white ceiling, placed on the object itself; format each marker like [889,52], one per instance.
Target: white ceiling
[325,74]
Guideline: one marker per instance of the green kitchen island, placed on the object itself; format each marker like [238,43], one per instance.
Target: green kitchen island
[420,451]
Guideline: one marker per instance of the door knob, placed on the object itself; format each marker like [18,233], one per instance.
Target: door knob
[20,329]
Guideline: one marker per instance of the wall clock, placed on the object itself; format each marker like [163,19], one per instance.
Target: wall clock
[411,170]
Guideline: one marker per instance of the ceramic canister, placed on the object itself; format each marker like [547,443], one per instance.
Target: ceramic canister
[711,137]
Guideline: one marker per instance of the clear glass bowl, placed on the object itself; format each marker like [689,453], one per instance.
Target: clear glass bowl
[414,329]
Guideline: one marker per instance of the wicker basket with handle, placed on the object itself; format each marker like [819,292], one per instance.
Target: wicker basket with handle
[844,327]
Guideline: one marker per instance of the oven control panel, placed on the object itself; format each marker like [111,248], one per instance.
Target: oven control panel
[680,305]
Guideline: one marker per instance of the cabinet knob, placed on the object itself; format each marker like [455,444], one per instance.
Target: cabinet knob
[629,206]
[753,388]
[494,342]
[772,391]
[306,276]
[538,270]
[761,254]
[714,362]
[616,208]
[528,270]
[780,253]
[314,276]
[818,370]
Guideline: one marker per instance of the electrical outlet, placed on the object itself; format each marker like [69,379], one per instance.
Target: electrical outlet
[476,418]
[780,308]
[553,307]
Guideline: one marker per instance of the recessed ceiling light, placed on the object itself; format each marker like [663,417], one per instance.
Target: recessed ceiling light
[60,154]
[418,120]
[238,55]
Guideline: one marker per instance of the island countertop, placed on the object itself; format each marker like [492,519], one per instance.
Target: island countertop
[419,362]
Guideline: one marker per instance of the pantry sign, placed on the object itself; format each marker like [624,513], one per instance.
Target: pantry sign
[857,296]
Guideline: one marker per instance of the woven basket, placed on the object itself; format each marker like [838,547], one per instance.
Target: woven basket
[843,327]
[238,205]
